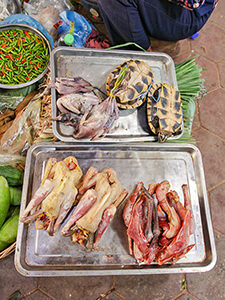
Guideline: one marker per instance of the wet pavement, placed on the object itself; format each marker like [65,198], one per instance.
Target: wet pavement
[209,132]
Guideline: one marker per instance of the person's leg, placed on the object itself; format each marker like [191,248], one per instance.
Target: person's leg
[123,22]
[168,21]
[137,20]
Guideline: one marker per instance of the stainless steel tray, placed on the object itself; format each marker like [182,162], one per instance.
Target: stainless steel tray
[38,254]
[95,65]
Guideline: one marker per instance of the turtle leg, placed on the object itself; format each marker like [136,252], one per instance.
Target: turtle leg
[163,135]
[153,89]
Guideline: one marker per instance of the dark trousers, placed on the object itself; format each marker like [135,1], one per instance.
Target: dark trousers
[137,20]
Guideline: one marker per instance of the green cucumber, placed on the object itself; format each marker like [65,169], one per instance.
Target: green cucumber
[15,195]
[3,245]
[13,210]
[13,175]
[4,199]
[8,232]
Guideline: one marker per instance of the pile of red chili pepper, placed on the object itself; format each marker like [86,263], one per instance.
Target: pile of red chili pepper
[23,56]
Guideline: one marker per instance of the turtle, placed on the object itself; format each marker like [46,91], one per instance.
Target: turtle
[164,110]
[129,83]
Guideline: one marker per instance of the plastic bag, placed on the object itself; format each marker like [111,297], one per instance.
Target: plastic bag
[20,135]
[8,7]
[10,102]
[81,28]
[48,17]
[8,159]
[24,19]
[34,7]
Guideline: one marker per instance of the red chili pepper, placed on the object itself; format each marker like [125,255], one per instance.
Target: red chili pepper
[18,44]
[23,61]
[19,56]
[37,40]
[16,67]
[14,33]
[35,68]
[23,40]
[4,39]
[0,58]
[10,57]
[30,51]
[27,34]
[3,73]
[30,61]
[38,65]
[27,78]
[3,46]
[37,56]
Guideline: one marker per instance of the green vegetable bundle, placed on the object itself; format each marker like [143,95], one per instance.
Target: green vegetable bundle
[23,56]
[191,86]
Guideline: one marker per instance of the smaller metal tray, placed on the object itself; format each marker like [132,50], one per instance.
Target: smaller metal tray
[95,65]
[38,254]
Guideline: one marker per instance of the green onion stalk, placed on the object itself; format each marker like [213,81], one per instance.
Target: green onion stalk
[191,87]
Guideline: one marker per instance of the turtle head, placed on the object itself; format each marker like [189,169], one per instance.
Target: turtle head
[163,136]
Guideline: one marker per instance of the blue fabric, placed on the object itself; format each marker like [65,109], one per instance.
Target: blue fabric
[137,20]
[205,8]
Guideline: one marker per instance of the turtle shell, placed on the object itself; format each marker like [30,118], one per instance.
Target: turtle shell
[131,91]
[164,111]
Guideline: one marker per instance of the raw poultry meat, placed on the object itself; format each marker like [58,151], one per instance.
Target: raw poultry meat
[65,86]
[56,194]
[100,194]
[93,117]
[158,225]
[96,123]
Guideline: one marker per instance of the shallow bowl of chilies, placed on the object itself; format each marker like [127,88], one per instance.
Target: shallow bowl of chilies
[31,29]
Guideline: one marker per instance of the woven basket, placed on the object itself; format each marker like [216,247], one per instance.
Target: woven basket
[8,251]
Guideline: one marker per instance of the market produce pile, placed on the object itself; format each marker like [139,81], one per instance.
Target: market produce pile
[17,139]
[23,56]
[11,180]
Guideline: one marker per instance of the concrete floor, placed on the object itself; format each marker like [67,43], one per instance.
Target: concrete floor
[209,132]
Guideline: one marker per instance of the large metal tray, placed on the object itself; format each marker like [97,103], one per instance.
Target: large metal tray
[38,254]
[95,65]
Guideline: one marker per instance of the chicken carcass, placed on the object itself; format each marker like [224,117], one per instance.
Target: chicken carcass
[65,86]
[92,217]
[96,123]
[56,194]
